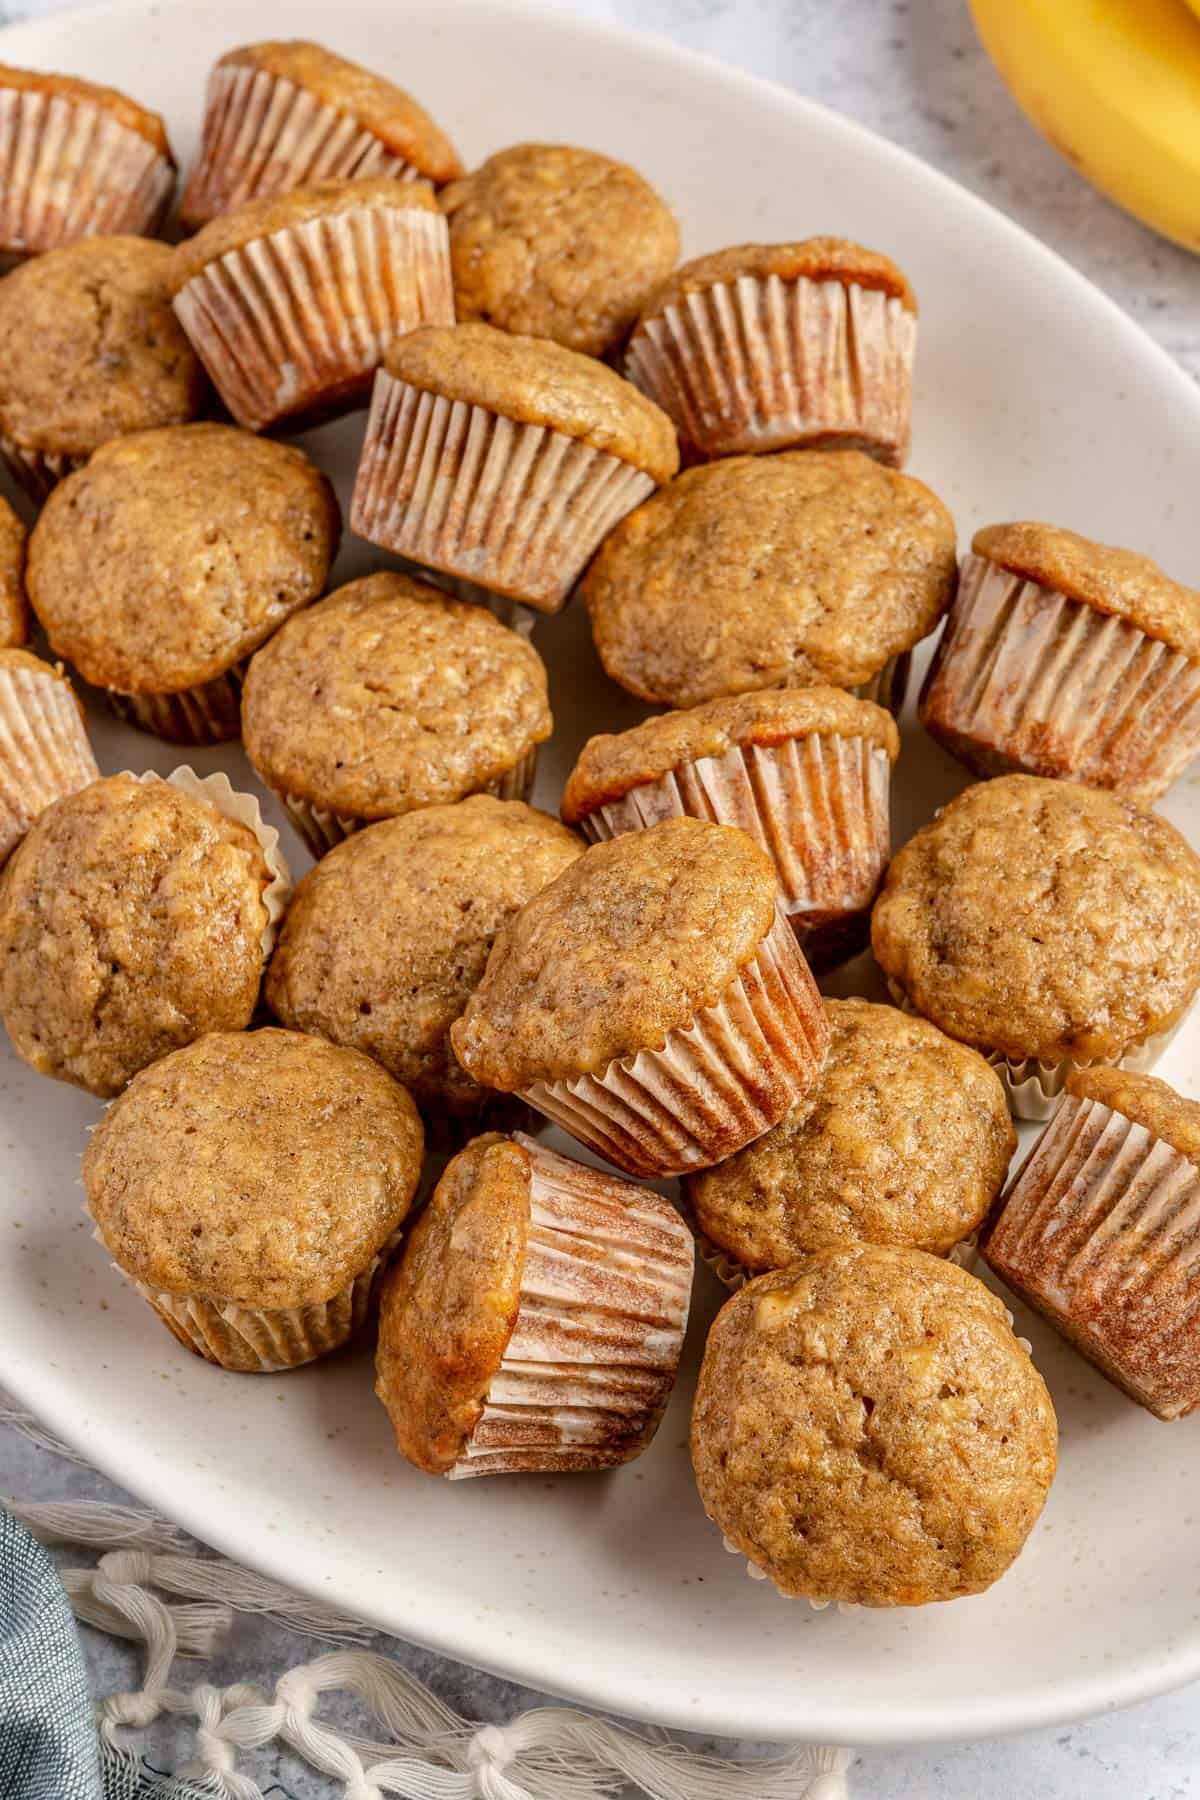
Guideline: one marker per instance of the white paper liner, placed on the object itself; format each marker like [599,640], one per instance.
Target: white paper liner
[517,508]
[44,749]
[243,809]
[818,806]
[264,135]
[297,322]
[1100,1232]
[37,471]
[69,168]
[1027,678]
[209,714]
[714,1085]
[603,1309]
[761,363]
[888,687]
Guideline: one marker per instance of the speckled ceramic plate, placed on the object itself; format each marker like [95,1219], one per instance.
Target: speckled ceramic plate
[1035,397]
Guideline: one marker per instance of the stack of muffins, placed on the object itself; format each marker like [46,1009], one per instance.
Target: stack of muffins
[458,967]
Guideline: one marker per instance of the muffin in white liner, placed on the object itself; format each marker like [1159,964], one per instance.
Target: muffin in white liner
[781,346]
[1062,657]
[45,752]
[208,714]
[504,460]
[1098,1232]
[536,1319]
[804,771]
[291,302]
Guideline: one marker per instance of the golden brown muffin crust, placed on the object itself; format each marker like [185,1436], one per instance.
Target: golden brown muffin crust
[805,566]
[631,941]
[131,921]
[384,109]
[609,766]
[286,212]
[811,259]
[534,381]
[448,1308]
[389,696]
[388,936]
[1147,1101]
[556,242]
[867,1429]
[14,608]
[1043,919]
[1117,582]
[90,348]
[904,1139]
[174,553]
[263,1167]
[125,111]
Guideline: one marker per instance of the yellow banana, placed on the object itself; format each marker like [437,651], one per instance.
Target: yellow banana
[1115,86]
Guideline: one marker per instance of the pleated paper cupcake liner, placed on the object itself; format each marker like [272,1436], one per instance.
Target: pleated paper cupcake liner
[889,687]
[818,805]
[294,325]
[518,509]
[715,1084]
[603,1310]
[243,809]
[321,828]
[37,471]
[760,363]
[209,714]
[1027,678]
[44,749]
[69,169]
[264,135]
[1099,1232]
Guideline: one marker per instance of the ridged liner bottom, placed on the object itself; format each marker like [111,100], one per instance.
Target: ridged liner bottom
[603,1310]
[889,686]
[760,363]
[69,169]
[44,750]
[715,1084]
[37,471]
[818,805]
[1027,678]
[1100,1231]
[321,828]
[264,135]
[297,322]
[515,508]
[210,714]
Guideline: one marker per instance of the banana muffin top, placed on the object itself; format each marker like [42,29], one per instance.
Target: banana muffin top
[1147,1101]
[14,608]
[1043,919]
[90,348]
[173,553]
[868,1429]
[126,112]
[388,695]
[801,567]
[556,242]
[264,1168]
[388,936]
[811,259]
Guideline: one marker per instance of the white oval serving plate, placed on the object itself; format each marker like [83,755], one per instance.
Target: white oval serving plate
[1035,397]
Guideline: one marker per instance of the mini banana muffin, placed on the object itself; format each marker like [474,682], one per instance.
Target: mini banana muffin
[806,771]
[556,242]
[560,449]
[90,350]
[134,917]
[45,752]
[1066,657]
[292,300]
[808,566]
[14,608]
[1098,1232]
[904,1139]
[77,159]
[867,1429]
[388,696]
[162,564]
[652,1000]
[778,346]
[251,1187]
[387,938]
[1046,923]
[535,1321]
[283,113]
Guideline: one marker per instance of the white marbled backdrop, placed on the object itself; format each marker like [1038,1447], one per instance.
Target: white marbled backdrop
[915,73]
